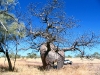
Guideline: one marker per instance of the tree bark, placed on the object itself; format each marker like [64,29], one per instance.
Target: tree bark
[9,61]
[7,56]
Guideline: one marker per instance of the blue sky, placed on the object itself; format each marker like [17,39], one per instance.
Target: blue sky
[87,11]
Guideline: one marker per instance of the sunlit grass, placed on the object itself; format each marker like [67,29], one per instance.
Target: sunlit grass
[23,68]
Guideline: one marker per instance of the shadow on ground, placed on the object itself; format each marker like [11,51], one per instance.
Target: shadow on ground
[4,68]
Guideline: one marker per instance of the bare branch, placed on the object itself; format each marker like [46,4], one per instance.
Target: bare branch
[72,48]
[3,26]
[84,40]
[88,40]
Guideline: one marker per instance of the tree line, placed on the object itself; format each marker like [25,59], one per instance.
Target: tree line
[95,55]
[29,55]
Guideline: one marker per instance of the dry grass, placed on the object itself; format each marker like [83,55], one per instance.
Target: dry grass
[26,67]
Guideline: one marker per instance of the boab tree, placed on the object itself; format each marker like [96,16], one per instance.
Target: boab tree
[10,28]
[54,27]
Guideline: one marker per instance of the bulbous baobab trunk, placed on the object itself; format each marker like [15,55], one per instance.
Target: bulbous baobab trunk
[44,52]
[53,57]
[50,56]
[60,62]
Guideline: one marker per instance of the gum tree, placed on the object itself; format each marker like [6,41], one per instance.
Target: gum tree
[10,28]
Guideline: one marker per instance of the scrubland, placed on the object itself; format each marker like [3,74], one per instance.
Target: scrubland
[33,67]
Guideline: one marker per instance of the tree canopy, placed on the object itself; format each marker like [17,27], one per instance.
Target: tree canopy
[11,30]
[54,26]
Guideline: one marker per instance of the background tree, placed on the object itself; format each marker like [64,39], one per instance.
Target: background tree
[12,55]
[68,56]
[31,55]
[78,55]
[10,28]
[96,55]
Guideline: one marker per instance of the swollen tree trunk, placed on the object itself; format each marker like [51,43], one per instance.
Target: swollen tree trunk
[9,61]
[44,49]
